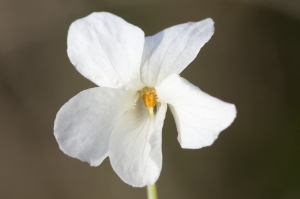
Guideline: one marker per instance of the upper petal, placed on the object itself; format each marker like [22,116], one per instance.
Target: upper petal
[199,117]
[173,49]
[83,125]
[107,50]
[135,146]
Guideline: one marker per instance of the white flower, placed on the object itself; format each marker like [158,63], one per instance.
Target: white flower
[133,71]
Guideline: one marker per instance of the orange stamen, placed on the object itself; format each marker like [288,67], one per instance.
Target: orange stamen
[149,97]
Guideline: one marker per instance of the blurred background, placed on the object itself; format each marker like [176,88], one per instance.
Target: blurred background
[252,61]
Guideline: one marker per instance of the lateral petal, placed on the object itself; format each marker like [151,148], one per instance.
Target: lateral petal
[83,125]
[135,145]
[173,49]
[199,117]
[107,50]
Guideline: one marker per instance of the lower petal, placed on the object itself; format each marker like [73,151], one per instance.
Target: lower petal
[199,117]
[135,145]
[83,125]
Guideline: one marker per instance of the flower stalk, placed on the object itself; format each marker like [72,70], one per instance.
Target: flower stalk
[152,191]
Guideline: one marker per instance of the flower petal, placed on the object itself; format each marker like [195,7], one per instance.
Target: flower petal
[173,49]
[83,125]
[135,146]
[199,117]
[107,50]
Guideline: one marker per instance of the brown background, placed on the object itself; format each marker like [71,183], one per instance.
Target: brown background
[252,61]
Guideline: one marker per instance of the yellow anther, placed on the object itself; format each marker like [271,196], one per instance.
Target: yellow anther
[149,97]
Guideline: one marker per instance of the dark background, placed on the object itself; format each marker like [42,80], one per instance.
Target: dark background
[252,60]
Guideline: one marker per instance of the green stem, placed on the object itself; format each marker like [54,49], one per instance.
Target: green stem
[152,192]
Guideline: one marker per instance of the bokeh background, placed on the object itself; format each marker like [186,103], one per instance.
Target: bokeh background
[252,61]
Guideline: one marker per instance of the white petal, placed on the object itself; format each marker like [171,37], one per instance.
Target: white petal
[199,117]
[83,125]
[135,146]
[107,50]
[173,49]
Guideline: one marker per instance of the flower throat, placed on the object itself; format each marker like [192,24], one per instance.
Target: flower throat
[149,96]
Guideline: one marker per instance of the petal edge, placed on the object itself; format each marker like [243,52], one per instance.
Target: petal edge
[173,49]
[107,50]
[135,146]
[199,117]
[83,125]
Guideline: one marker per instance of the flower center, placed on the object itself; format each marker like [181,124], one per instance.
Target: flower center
[149,97]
